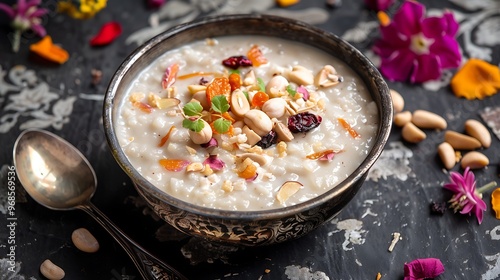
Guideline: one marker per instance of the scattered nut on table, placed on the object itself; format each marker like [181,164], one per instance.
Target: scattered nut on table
[412,134]
[84,240]
[402,118]
[461,141]
[51,271]
[477,130]
[474,160]
[397,101]
[447,155]
[428,120]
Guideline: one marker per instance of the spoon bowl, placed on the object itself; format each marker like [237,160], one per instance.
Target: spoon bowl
[56,175]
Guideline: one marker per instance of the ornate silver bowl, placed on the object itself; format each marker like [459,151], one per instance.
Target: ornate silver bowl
[256,227]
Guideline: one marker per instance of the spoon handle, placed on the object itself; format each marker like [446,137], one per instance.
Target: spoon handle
[148,265]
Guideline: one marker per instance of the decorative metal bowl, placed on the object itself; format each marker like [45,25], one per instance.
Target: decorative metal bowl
[243,227]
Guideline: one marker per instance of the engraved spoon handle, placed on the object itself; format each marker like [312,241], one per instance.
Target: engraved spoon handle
[148,265]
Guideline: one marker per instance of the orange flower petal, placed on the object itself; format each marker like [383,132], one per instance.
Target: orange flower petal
[495,202]
[477,79]
[46,49]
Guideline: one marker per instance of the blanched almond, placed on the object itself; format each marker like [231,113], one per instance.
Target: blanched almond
[477,130]
[402,118]
[447,155]
[461,141]
[51,271]
[288,189]
[428,120]
[474,160]
[412,134]
[239,103]
[397,101]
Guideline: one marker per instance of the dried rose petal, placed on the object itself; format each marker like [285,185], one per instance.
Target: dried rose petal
[212,143]
[423,269]
[170,76]
[108,33]
[323,155]
[236,61]
[305,93]
[214,162]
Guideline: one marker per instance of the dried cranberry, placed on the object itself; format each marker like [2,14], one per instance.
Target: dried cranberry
[236,61]
[303,122]
[268,140]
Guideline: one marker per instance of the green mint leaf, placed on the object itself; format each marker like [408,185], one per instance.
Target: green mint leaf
[291,91]
[192,108]
[262,85]
[246,94]
[222,125]
[234,71]
[196,125]
[220,104]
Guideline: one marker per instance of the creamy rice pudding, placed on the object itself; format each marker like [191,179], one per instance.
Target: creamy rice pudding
[246,122]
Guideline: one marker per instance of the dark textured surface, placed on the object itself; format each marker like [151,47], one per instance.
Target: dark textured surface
[398,203]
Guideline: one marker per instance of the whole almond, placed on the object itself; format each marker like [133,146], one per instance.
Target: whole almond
[84,240]
[461,141]
[447,155]
[412,134]
[402,118]
[474,160]
[397,101]
[477,130]
[51,271]
[428,120]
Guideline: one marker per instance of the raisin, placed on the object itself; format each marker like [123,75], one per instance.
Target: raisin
[268,140]
[303,122]
[236,61]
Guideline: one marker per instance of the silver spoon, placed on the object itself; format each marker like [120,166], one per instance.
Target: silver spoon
[59,177]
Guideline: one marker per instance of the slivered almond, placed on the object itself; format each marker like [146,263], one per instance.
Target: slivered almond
[428,120]
[194,167]
[288,189]
[477,130]
[447,155]
[461,141]
[474,160]
[412,134]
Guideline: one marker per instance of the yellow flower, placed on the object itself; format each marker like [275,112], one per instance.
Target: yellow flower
[476,79]
[83,9]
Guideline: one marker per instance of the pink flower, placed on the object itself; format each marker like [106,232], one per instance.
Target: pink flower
[25,16]
[378,5]
[415,48]
[466,198]
[423,269]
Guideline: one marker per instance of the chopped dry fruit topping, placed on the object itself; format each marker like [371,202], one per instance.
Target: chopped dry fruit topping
[323,155]
[164,139]
[348,127]
[219,86]
[174,165]
[288,189]
[195,167]
[169,76]
[256,56]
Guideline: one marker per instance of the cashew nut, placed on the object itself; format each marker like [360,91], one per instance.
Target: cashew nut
[258,121]
[301,76]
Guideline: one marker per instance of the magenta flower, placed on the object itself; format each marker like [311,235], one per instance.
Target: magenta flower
[423,269]
[25,16]
[416,49]
[466,198]
[378,5]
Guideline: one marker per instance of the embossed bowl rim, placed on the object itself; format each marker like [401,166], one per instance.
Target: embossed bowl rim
[258,25]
